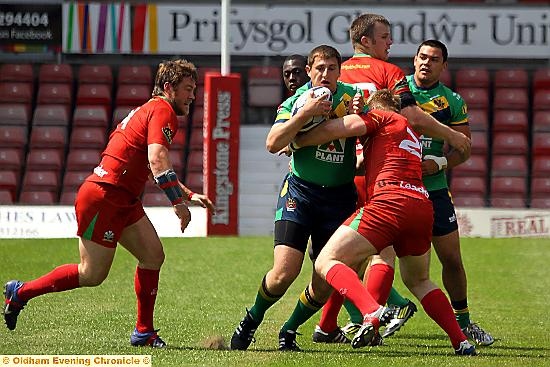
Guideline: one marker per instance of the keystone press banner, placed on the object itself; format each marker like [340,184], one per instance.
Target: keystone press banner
[473,31]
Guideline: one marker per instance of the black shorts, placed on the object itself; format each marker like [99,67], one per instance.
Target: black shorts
[317,211]
[444,212]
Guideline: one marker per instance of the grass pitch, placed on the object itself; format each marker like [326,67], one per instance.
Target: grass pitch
[206,283]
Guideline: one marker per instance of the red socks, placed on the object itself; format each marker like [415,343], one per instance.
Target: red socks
[329,316]
[146,285]
[345,281]
[437,306]
[379,282]
[62,278]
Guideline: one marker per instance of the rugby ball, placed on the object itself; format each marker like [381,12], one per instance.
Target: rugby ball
[301,101]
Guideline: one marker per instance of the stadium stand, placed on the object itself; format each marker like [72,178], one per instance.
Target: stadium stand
[11,159]
[511,121]
[13,137]
[477,98]
[16,92]
[95,74]
[82,159]
[475,166]
[16,73]
[52,115]
[132,94]
[511,78]
[83,137]
[9,183]
[264,86]
[15,114]
[472,78]
[39,159]
[91,116]
[135,74]
[541,121]
[511,99]
[508,192]
[541,79]
[509,165]
[55,73]
[510,143]
[41,181]
[479,143]
[54,93]
[38,198]
[48,137]
[541,99]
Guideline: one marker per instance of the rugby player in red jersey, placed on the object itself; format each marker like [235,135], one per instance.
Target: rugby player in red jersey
[109,210]
[368,69]
[397,213]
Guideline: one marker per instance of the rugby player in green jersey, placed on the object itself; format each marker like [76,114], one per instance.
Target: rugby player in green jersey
[315,197]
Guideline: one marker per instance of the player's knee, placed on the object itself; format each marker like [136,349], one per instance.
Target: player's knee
[92,278]
[283,278]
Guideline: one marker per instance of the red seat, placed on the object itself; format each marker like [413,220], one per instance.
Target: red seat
[16,92]
[540,187]
[199,96]
[468,185]
[11,159]
[68,197]
[14,114]
[264,84]
[472,77]
[135,74]
[541,144]
[541,166]
[45,159]
[16,73]
[93,94]
[176,158]
[48,137]
[132,94]
[95,74]
[55,73]
[13,136]
[6,197]
[475,166]
[469,201]
[54,93]
[505,186]
[88,137]
[541,100]
[91,116]
[195,181]
[475,97]
[194,161]
[479,143]
[540,203]
[196,139]
[37,198]
[9,181]
[51,114]
[510,143]
[541,79]
[73,179]
[183,121]
[541,121]
[82,159]
[155,199]
[509,165]
[41,181]
[511,78]
[446,78]
[120,113]
[478,119]
[178,141]
[511,98]
[197,120]
[509,202]
[510,120]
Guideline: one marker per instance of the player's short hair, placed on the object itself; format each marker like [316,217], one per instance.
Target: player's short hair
[384,99]
[173,72]
[324,52]
[363,26]
[296,57]
[436,44]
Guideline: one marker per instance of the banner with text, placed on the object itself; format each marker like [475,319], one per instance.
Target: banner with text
[222,109]
[30,28]
[483,31]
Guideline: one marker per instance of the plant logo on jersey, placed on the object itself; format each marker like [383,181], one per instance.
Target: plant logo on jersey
[332,152]
[168,134]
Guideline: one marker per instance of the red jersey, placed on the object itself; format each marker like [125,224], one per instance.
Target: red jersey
[395,155]
[124,162]
[372,74]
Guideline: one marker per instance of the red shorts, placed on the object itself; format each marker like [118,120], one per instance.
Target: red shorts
[361,187]
[400,221]
[103,211]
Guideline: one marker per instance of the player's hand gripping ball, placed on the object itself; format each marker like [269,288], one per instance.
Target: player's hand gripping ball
[301,101]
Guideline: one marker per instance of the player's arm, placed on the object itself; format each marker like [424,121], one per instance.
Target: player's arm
[432,164]
[343,127]
[167,180]
[281,134]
